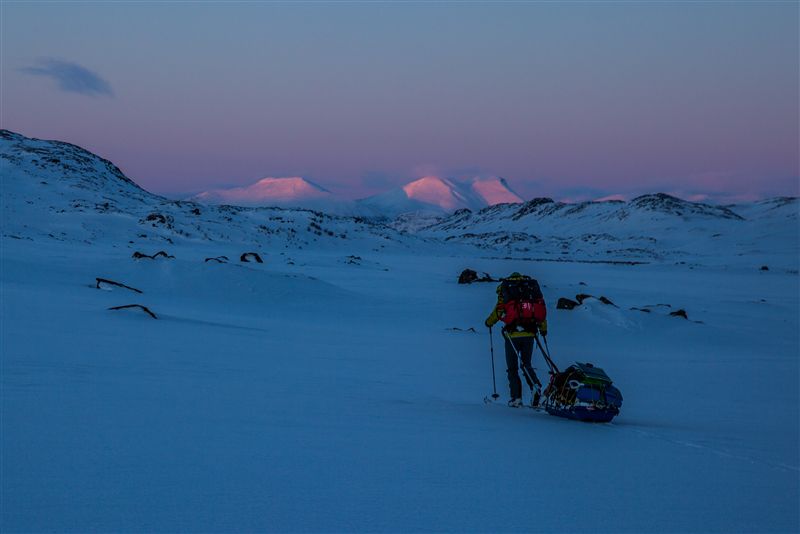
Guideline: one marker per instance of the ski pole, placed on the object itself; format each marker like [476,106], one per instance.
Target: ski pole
[494,380]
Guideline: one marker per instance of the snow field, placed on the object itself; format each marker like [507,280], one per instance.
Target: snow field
[326,396]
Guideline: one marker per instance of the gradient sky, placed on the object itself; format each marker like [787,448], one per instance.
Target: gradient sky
[572,100]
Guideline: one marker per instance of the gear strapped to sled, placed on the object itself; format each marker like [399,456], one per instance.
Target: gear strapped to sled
[582,392]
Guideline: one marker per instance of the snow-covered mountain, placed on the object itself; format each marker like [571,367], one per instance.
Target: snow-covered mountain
[426,196]
[433,194]
[285,192]
[266,192]
[55,190]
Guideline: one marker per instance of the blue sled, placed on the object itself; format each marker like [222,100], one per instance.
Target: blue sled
[582,392]
[581,413]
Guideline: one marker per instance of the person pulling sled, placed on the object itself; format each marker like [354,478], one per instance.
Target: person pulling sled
[520,306]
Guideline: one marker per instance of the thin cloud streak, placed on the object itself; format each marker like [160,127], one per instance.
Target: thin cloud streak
[71,77]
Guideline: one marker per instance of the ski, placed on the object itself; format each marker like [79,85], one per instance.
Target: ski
[489,400]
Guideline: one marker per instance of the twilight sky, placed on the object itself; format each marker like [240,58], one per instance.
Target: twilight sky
[572,100]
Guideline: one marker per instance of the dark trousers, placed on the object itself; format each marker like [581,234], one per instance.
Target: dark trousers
[525,347]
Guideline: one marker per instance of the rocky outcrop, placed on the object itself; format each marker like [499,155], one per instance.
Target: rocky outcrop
[469,276]
[679,313]
[566,304]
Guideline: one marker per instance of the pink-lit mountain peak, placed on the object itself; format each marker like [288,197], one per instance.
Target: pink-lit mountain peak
[474,193]
[270,189]
[430,193]
[495,190]
[437,191]
[291,187]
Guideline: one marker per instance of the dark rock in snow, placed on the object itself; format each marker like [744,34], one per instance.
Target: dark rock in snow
[469,276]
[604,300]
[218,259]
[100,282]
[566,304]
[580,297]
[156,219]
[251,255]
[764,268]
[143,308]
[645,310]
[139,255]
[679,313]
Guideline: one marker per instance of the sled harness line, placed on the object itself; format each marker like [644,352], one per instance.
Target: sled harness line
[550,363]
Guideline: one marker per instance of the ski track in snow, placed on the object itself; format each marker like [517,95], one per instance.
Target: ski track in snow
[693,445]
[638,428]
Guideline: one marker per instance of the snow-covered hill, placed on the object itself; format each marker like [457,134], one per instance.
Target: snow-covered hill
[655,227]
[57,191]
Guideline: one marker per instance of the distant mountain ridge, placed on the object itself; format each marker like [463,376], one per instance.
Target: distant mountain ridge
[529,214]
[430,195]
[270,190]
[54,190]
[58,191]
[433,194]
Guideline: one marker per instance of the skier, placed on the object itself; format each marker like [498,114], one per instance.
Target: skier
[520,305]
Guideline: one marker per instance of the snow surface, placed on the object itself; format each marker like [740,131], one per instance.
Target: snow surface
[338,387]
